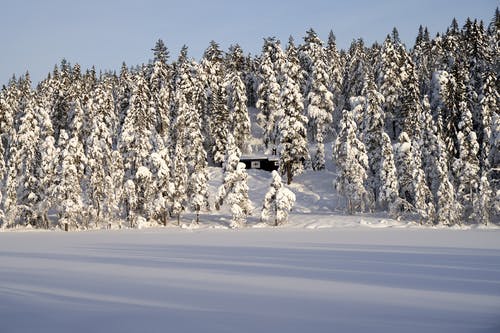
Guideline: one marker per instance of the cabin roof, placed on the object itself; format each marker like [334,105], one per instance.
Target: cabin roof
[259,157]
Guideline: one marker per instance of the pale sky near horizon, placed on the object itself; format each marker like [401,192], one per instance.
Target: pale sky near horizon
[36,35]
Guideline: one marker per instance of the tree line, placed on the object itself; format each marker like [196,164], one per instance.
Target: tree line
[414,131]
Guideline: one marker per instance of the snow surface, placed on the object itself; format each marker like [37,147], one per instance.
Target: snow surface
[251,280]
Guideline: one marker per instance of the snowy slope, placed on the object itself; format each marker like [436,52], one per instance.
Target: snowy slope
[251,280]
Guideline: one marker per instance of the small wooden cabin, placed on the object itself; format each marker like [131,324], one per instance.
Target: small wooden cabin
[263,162]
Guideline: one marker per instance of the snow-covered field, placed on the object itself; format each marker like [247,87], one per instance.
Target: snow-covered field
[252,280]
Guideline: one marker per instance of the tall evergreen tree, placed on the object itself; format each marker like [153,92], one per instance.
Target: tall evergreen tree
[292,130]
[352,165]
[234,189]
[268,92]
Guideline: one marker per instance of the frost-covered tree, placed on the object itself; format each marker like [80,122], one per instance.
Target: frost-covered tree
[138,128]
[371,118]
[390,81]
[234,189]
[388,187]
[334,68]
[293,150]
[99,152]
[216,113]
[466,166]
[237,103]
[278,202]
[68,191]
[160,87]
[268,92]
[448,208]
[197,187]
[26,156]
[319,101]
[352,165]
[179,166]
[413,189]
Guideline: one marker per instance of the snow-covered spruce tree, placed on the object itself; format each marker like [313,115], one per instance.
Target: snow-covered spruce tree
[145,193]
[130,201]
[334,70]
[216,113]
[161,186]
[268,92]
[115,194]
[448,208]
[319,101]
[413,189]
[293,150]
[278,202]
[179,165]
[68,192]
[160,87]
[354,75]
[489,138]
[372,123]
[26,157]
[421,56]
[466,166]
[47,163]
[234,189]
[237,103]
[138,128]
[388,187]
[99,153]
[349,154]
[197,186]
[407,120]
[390,82]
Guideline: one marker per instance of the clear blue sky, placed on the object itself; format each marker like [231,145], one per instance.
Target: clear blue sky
[37,34]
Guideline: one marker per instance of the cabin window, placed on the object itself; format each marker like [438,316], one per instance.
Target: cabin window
[255,165]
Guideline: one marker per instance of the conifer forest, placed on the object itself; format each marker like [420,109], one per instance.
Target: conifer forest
[414,131]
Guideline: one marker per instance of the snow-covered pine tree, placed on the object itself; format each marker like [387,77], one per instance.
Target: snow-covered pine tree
[145,195]
[68,192]
[278,202]
[448,209]
[349,154]
[237,104]
[160,87]
[216,113]
[335,66]
[130,201]
[99,152]
[355,70]
[268,92]
[234,189]
[179,165]
[421,56]
[115,194]
[390,82]
[197,166]
[413,189]
[293,150]
[466,166]
[26,155]
[372,123]
[407,120]
[319,101]
[138,128]
[388,187]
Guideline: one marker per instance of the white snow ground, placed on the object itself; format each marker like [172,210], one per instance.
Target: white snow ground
[323,272]
[251,280]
